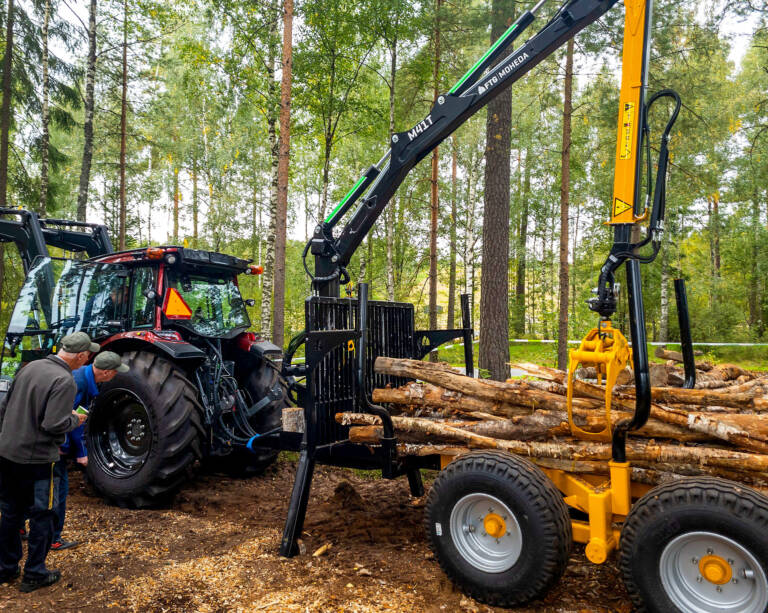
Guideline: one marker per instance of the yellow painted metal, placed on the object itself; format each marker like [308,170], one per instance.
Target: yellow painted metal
[494,525]
[715,569]
[607,350]
[630,116]
[606,501]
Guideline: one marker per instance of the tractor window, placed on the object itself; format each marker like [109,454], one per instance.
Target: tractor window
[142,307]
[103,299]
[216,304]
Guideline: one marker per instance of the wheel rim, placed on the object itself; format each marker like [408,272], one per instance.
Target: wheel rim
[486,533]
[704,572]
[121,434]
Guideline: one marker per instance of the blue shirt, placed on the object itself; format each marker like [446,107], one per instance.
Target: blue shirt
[86,392]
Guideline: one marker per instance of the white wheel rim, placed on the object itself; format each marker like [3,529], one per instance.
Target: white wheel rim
[680,566]
[481,549]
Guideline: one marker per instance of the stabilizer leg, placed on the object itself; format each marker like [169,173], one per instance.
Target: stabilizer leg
[415,483]
[294,523]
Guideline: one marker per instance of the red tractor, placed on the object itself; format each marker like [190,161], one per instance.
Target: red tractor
[200,386]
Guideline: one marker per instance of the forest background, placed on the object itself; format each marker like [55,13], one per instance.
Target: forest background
[162,120]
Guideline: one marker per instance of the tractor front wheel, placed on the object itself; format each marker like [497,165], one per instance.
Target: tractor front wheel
[498,527]
[144,432]
[699,544]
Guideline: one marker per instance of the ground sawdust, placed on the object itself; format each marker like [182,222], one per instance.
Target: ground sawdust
[214,550]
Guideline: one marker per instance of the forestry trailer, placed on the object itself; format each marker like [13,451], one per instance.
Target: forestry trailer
[501,527]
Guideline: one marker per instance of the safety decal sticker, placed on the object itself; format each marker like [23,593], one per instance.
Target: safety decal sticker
[619,207]
[626,131]
[438,529]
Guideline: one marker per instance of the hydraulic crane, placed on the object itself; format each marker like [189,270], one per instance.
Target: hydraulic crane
[500,526]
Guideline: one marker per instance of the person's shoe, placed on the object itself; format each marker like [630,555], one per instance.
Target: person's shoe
[9,575]
[30,585]
[62,544]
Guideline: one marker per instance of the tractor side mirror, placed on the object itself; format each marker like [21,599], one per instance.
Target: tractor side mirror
[250,302]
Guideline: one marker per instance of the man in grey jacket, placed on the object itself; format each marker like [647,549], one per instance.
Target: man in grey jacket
[35,416]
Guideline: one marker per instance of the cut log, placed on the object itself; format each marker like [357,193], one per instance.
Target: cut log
[665,354]
[577,450]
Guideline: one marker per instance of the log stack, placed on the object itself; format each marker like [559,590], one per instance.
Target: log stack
[719,430]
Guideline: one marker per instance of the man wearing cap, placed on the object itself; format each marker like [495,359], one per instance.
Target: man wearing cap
[104,368]
[35,415]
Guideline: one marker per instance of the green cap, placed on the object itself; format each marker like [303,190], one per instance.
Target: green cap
[108,360]
[77,342]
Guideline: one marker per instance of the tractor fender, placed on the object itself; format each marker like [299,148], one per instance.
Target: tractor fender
[141,340]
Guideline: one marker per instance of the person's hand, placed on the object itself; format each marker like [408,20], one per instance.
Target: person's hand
[80,418]
[82,461]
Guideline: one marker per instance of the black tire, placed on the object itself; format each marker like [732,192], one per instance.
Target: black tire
[542,533]
[242,463]
[144,432]
[665,530]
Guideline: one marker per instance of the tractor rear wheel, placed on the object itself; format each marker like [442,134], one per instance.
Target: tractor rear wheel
[498,527]
[699,544]
[144,432]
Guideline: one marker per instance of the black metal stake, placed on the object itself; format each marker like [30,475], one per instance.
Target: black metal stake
[466,323]
[684,320]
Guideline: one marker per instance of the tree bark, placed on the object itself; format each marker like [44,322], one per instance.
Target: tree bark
[283,174]
[5,109]
[389,226]
[195,203]
[46,86]
[434,193]
[522,238]
[494,293]
[565,194]
[270,264]
[451,317]
[90,79]
[175,205]
[123,132]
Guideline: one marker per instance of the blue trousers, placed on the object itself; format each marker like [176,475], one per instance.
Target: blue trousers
[26,490]
[60,506]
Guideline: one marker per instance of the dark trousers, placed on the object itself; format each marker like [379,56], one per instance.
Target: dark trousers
[26,490]
[60,506]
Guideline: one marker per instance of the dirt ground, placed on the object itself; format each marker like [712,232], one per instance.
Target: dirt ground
[215,550]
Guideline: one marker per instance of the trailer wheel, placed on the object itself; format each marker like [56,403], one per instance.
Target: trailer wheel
[699,544]
[498,527]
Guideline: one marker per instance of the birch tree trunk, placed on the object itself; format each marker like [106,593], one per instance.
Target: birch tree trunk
[45,112]
[565,190]
[195,203]
[664,298]
[268,276]
[90,78]
[283,173]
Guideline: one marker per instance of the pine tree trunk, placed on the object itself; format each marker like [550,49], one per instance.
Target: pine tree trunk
[522,250]
[5,109]
[451,318]
[389,226]
[283,170]
[434,195]
[45,112]
[123,131]
[494,298]
[90,79]
[565,192]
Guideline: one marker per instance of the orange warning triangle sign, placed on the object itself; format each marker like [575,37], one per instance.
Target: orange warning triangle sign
[174,306]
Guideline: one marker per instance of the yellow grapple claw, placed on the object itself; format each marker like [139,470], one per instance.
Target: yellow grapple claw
[607,350]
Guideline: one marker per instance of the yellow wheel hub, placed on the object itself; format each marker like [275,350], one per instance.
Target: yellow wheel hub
[715,570]
[495,525]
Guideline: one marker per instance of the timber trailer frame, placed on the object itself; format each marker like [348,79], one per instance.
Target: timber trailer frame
[501,527]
